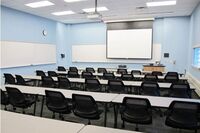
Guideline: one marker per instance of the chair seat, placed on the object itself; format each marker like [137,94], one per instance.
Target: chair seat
[186,122]
[92,115]
[59,108]
[136,117]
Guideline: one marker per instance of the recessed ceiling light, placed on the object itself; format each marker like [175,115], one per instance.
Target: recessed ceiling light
[93,9]
[63,13]
[39,4]
[161,3]
[71,1]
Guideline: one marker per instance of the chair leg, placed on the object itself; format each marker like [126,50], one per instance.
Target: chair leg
[89,123]
[5,108]
[61,116]
[14,109]
[23,111]
[53,116]
[195,130]
[136,128]
[123,125]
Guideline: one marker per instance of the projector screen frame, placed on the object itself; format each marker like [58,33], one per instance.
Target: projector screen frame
[130,58]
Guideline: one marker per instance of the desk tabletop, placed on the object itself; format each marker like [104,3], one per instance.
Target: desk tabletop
[97,129]
[155,101]
[98,96]
[20,123]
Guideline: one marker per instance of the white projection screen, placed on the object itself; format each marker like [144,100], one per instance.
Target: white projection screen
[129,43]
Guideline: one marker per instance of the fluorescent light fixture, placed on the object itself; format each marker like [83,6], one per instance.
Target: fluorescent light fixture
[103,8]
[39,4]
[161,3]
[63,13]
[71,1]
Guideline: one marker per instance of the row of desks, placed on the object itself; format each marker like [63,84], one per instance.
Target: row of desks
[161,102]
[105,82]
[20,123]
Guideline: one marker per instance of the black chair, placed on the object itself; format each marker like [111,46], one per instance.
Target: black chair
[87,75]
[52,74]
[74,69]
[48,81]
[172,77]
[136,110]
[21,81]
[92,85]
[108,76]
[128,77]
[90,69]
[136,72]
[183,115]
[116,86]
[150,77]
[9,79]
[157,73]
[57,103]
[64,82]
[61,68]
[180,90]
[150,88]
[101,70]
[40,73]
[73,74]
[85,106]
[18,99]
[4,99]
[122,71]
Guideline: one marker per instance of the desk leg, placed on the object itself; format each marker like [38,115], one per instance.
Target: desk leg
[116,108]
[105,114]
[42,106]
[36,97]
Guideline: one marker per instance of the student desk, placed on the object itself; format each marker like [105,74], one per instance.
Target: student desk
[98,96]
[97,129]
[21,123]
[160,102]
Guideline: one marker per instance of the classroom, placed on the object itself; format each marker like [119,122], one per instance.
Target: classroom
[105,66]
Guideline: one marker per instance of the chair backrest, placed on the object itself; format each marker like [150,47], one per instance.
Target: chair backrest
[73,74]
[90,69]
[54,97]
[61,68]
[15,96]
[108,76]
[20,80]
[9,79]
[182,108]
[87,75]
[136,72]
[157,73]
[48,81]
[122,71]
[73,69]
[40,73]
[127,77]
[172,77]
[150,88]
[137,104]
[92,84]
[150,77]
[84,103]
[64,82]
[181,90]
[116,86]
[101,70]
[52,74]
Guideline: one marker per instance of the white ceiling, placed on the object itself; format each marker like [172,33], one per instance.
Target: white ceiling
[118,9]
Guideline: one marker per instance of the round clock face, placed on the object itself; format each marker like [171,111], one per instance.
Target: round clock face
[44,32]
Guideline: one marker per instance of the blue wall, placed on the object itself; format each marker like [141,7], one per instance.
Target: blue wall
[23,27]
[171,33]
[194,40]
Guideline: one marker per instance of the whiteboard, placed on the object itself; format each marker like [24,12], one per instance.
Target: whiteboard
[97,53]
[15,54]
[132,43]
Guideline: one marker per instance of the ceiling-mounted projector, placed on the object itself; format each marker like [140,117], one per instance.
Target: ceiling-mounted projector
[94,16]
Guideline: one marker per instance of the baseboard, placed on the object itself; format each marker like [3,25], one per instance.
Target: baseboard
[195,82]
